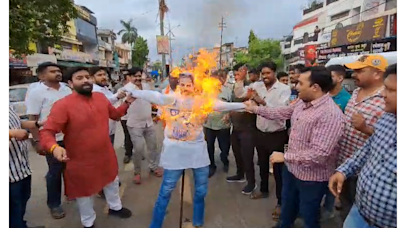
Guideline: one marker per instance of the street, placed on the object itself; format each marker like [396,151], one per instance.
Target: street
[226,207]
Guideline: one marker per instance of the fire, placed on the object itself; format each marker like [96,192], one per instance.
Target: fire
[206,87]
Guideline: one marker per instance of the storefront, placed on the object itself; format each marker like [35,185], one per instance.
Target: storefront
[366,47]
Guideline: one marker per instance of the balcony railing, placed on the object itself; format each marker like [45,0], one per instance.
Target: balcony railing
[312,37]
[314,6]
[330,1]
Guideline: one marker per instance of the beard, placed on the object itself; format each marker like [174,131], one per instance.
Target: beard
[85,89]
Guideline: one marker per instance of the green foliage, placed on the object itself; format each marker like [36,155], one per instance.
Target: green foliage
[140,52]
[157,65]
[252,36]
[261,50]
[42,21]
[129,34]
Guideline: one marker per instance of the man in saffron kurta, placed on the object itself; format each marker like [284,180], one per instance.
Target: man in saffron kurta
[91,163]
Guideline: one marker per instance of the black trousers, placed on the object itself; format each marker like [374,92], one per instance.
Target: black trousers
[266,144]
[347,196]
[224,143]
[127,139]
[19,194]
[243,150]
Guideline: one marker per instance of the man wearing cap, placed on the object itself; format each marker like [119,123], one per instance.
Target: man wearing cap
[364,108]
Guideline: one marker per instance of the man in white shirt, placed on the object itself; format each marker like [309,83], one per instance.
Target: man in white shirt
[100,76]
[38,104]
[141,128]
[271,134]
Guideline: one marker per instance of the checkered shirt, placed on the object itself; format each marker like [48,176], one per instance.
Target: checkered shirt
[376,196]
[316,129]
[352,140]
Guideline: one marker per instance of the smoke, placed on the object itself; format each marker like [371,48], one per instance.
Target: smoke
[206,18]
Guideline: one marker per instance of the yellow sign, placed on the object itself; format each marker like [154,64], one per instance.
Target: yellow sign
[83,13]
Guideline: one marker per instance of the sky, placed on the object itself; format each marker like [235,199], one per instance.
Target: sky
[195,23]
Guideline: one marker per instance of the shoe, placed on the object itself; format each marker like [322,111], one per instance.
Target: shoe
[88,226]
[127,159]
[101,194]
[212,171]
[226,168]
[57,212]
[143,158]
[326,215]
[36,227]
[137,179]
[248,189]
[259,195]
[123,213]
[236,178]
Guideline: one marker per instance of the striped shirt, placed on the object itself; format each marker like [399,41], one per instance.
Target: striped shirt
[19,161]
[371,108]
[316,129]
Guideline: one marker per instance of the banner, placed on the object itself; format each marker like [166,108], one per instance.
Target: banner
[363,31]
[393,24]
[378,46]
[162,44]
[310,55]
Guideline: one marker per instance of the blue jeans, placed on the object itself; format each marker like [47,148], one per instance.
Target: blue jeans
[355,220]
[302,197]
[54,180]
[329,202]
[170,179]
[19,194]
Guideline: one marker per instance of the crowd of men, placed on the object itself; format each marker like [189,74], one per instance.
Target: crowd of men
[323,143]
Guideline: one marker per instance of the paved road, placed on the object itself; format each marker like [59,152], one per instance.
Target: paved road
[226,207]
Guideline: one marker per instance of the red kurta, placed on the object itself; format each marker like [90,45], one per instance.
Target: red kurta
[84,121]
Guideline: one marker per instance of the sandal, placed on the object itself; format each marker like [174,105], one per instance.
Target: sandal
[277,213]
[158,172]
[137,179]
[259,195]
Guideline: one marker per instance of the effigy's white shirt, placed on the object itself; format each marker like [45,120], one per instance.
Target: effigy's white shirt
[184,145]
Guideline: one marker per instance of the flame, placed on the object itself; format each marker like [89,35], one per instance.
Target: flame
[207,88]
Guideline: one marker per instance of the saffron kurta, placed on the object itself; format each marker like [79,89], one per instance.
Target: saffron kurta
[92,161]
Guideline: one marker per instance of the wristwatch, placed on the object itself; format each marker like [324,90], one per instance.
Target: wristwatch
[37,124]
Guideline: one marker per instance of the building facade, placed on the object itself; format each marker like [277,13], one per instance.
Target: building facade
[335,28]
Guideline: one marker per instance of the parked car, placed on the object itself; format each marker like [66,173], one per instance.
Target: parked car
[17,94]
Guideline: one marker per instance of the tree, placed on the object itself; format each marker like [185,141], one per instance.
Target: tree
[261,50]
[252,36]
[157,65]
[42,21]
[140,52]
[129,34]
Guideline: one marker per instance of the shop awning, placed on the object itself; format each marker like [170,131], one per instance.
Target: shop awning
[74,64]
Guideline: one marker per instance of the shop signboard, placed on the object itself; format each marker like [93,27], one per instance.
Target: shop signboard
[15,62]
[366,30]
[393,24]
[377,46]
[69,55]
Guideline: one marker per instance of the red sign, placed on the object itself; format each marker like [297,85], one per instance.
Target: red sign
[310,55]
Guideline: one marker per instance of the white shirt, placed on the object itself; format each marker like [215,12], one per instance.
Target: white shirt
[113,100]
[184,145]
[139,112]
[41,99]
[277,96]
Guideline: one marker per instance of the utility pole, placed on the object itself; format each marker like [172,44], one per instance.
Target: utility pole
[170,34]
[222,25]
[163,61]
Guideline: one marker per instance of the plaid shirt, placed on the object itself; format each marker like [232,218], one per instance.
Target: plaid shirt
[316,129]
[352,140]
[376,196]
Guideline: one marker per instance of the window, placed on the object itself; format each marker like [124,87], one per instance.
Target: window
[105,39]
[330,1]
[86,31]
[17,94]
[390,4]
[340,15]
